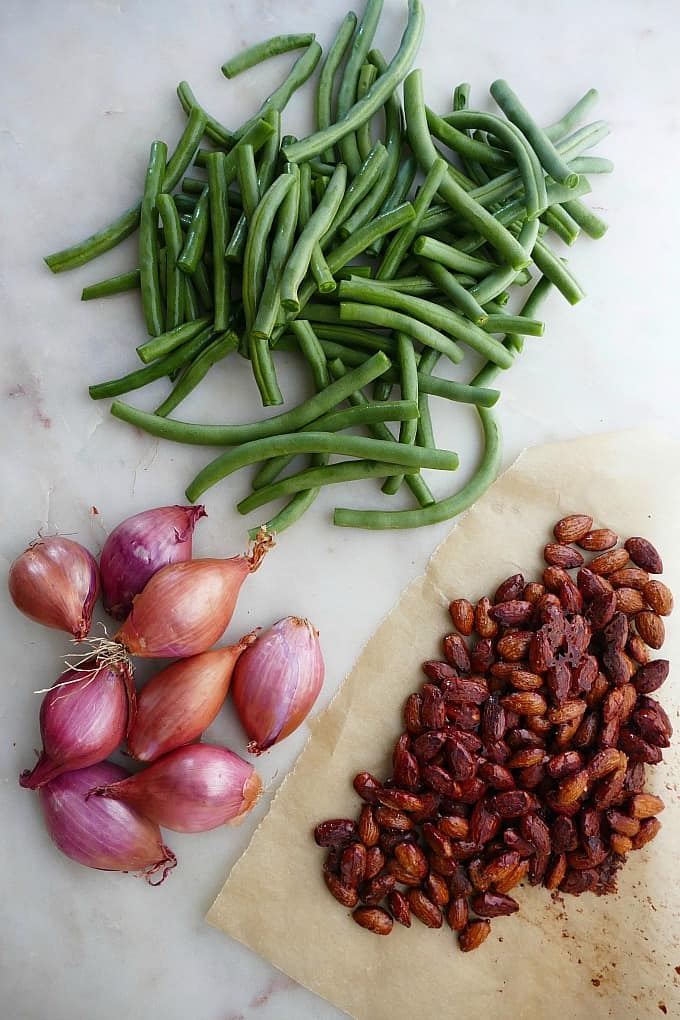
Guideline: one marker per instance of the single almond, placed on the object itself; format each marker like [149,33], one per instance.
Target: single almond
[462,616]
[643,554]
[608,562]
[651,628]
[573,527]
[629,577]
[629,600]
[598,540]
[645,805]
[658,597]
[563,556]
[373,919]
[473,935]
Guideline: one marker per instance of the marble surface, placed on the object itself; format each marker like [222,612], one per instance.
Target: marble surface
[87,84]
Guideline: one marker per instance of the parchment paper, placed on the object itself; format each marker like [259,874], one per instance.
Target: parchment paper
[588,957]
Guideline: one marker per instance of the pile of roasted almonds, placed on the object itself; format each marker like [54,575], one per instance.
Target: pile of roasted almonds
[524,754]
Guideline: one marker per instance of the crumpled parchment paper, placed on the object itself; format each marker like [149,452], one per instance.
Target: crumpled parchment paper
[587,957]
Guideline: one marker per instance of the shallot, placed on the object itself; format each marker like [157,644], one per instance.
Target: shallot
[56,582]
[185,607]
[191,789]
[181,701]
[100,833]
[83,718]
[277,680]
[140,546]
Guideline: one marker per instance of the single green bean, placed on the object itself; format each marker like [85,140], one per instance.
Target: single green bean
[114,285]
[215,131]
[367,76]
[148,242]
[425,431]
[418,285]
[461,97]
[218,349]
[561,223]
[234,251]
[354,337]
[499,279]
[317,442]
[557,272]
[402,241]
[308,343]
[329,69]
[164,366]
[108,237]
[269,154]
[264,50]
[255,253]
[172,229]
[191,187]
[396,196]
[219,223]
[376,96]
[324,279]
[317,225]
[591,165]
[552,162]
[572,117]
[365,179]
[192,305]
[451,191]
[443,320]
[461,297]
[194,245]
[347,93]
[376,315]
[408,370]
[514,324]
[291,513]
[185,203]
[586,218]
[282,244]
[246,172]
[302,69]
[203,286]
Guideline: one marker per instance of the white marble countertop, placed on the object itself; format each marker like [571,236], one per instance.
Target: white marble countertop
[87,84]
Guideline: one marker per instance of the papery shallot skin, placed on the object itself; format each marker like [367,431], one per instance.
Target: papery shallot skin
[277,680]
[56,582]
[83,719]
[104,834]
[191,789]
[140,546]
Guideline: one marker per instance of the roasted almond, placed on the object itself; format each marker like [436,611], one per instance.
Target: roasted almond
[557,869]
[598,540]
[513,877]
[389,818]
[525,680]
[608,760]
[644,555]
[373,919]
[629,577]
[637,649]
[563,556]
[511,588]
[573,527]
[591,585]
[473,689]
[658,597]
[574,709]
[462,616]
[345,895]
[553,577]
[458,913]
[485,625]
[427,912]
[572,788]
[400,800]
[525,703]
[533,592]
[622,823]
[649,829]
[645,805]
[454,826]
[513,613]
[620,844]
[493,904]
[375,862]
[399,907]
[456,652]
[412,714]
[629,600]
[514,646]
[436,889]
[651,628]
[335,832]
[353,865]
[536,831]
[511,803]
[650,677]
[411,858]
[608,562]
[473,935]
[433,710]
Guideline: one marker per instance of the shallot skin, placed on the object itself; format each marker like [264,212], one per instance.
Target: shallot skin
[83,718]
[103,834]
[277,680]
[191,789]
[56,582]
[140,546]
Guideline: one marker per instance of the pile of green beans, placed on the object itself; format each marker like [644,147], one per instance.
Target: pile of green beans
[333,247]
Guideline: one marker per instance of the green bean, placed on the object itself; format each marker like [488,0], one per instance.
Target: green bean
[148,243]
[513,341]
[185,203]
[424,431]
[219,223]
[233,253]
[461,297]
[194,245]
[363,182]
[162,273]
[213,129]
[269,154]
[114,285]
[364,237]
[246,173]
[325,282]
[174,299]
[461,96]
[550,158]
[426,312]
[191,187]
[330,348]
[192,306]
[467,147]
[499,279]
[442,510]
[367,76]
[591,165]
[369,206]
[396,196]
[418,285]
[264,50]
[305,208]
[375,315]
[557,219]
[379,430]
[282,244]
[231,435]
[451,191]
[203,286]
[345,471]
[401,242]
[354,337]
[408,370]
[514,324]
[329,69]
[586,218]
[317,442]
[382,389]
[218,349]
[572,117]
[347,92]
[256,135]
[255,253]
[164,366]
[317,225]
[309,344]
[108,237]
[291,513]
[461,393]
[376,96]
[302,69]
[557,272]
